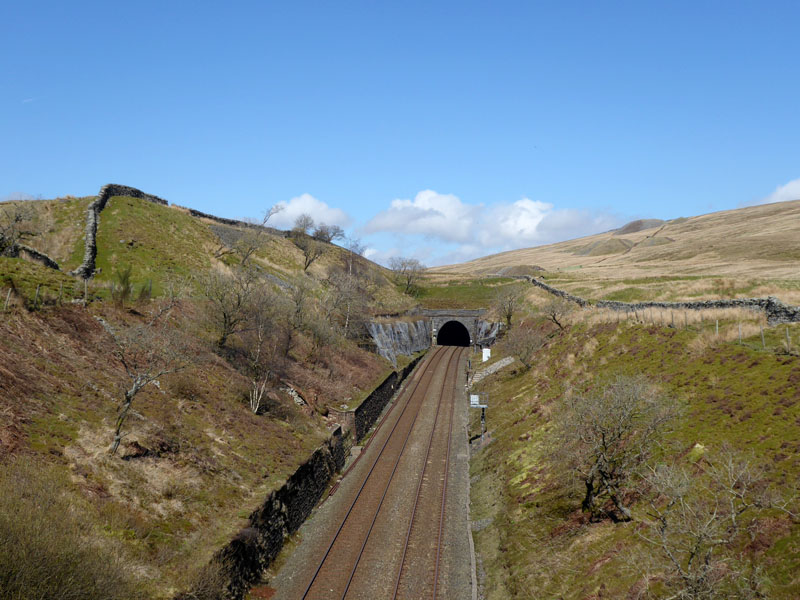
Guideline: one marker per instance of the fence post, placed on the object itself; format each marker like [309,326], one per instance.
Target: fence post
[36,297]
[8,297]
[60,291]
[85,292]
[788,339]
[740,332]
[763,345]
[717,329]
[685,320]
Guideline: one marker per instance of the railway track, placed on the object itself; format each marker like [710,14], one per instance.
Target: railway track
[371,529]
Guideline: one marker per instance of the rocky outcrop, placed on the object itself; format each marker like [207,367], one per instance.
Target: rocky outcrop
[108,191]
[776,311]
[487,333]
[400,337]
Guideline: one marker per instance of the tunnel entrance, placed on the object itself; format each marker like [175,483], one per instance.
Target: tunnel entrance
[453,333]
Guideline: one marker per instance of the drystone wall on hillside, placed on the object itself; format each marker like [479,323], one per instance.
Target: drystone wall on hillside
[108,191]
[36,256]
[400,337]
[776,311]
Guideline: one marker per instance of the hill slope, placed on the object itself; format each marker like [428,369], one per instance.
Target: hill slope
[759,241]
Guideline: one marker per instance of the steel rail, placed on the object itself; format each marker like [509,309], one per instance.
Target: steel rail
[388,484]
[419,490]
[436,357]
[444,493]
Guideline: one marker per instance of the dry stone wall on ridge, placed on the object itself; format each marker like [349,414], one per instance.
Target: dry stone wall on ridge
[108,191]
[776,311]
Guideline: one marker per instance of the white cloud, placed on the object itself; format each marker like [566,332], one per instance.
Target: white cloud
[306,203]
[440,216]
[783,193]
[465,231]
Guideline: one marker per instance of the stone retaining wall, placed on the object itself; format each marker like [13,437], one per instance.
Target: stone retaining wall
[776,311]
[254,548]
[371,408]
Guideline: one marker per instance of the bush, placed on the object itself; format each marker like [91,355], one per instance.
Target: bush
[46,546]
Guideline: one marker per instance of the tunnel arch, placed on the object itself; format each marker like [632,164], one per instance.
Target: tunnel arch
[453,333]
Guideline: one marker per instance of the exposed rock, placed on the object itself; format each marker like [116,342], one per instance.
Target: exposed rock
[400,337]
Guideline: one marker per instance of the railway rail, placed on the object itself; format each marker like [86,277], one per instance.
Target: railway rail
[361,537]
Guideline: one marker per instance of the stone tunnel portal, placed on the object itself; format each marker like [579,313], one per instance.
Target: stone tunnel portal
[453,333]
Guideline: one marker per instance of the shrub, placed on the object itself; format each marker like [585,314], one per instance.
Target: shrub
[46,547]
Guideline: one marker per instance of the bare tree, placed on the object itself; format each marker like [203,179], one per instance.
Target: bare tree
[147,351]
[356,250]
[327,233]
[696,520]
[346,301]
[312,250]
[507,302]
[523,343]
[303,224]
[254,237]
[260,340]
[605,439]
[228,297]
[556,310]
[408,271]
[15,225]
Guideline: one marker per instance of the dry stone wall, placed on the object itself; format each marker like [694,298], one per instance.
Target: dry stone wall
[776,311]
[108,191]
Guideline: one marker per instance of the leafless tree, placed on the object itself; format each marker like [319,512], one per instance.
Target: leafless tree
[261,338]
[356,250]
[346,302]
[605,438]
[507,303]
[254,237]
[696,520]
[15,225]
[327,233]
[556,310]
[148,351]
[408,271]
[303,224]
[523,343]
[228,296]
[312,249]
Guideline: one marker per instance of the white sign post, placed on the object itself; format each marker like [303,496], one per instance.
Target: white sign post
[487,354]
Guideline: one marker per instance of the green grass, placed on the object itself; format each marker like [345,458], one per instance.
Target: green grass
[159,242]
[735,394]
[476,293]
[24,277]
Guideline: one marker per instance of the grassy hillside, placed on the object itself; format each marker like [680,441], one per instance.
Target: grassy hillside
[195,459]
[534,539]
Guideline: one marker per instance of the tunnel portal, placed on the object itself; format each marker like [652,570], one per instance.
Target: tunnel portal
[453,333]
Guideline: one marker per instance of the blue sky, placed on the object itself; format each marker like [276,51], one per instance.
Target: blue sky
[440,130]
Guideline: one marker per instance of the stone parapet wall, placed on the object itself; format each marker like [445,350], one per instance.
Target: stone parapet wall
[776,311]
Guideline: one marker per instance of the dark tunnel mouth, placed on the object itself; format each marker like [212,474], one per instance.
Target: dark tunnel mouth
[453,333]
